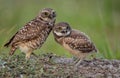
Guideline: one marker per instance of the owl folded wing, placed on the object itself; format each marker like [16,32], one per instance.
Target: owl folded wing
[26,33]
[80,42]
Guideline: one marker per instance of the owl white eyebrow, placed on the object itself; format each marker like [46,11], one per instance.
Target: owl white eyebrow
[53,11]
[44,11]
[64,27]
[58,33]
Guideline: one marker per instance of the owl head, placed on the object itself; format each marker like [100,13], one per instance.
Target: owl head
[62,29]
[47,15]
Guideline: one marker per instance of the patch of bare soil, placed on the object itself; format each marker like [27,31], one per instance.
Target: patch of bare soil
[52,66]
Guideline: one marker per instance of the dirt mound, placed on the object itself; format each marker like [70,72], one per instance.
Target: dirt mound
[52,66]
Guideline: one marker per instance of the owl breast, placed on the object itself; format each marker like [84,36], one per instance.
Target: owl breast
[76,53]
[40,39]
[35,42]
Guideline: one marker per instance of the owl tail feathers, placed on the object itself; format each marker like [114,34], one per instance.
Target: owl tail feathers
[7,44]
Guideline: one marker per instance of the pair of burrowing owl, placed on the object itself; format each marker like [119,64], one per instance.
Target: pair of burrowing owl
[35,33]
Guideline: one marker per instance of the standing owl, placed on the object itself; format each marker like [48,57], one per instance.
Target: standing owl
[33,34]
[74,41]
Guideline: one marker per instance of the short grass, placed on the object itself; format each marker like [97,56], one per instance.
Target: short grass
[97,18]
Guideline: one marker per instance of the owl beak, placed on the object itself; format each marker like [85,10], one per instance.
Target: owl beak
[64,31]
[52,15]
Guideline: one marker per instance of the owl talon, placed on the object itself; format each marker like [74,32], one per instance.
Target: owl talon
[28,55]
[11,53]
[76,61]
[77,64]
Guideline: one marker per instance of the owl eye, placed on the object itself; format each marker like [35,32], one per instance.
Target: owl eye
[67,27]
[46,13]
[53,12]
[59,28]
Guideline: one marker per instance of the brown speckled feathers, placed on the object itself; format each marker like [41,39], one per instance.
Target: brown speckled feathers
[31,30]
[80,42]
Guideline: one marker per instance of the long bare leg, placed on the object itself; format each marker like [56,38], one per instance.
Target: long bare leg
[28,55]
[79,62]
[93,56]
[34,55]
[76,61]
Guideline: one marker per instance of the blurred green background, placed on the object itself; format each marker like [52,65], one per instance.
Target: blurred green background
[100,19]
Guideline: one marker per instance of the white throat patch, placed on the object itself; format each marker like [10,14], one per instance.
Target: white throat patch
[61,34]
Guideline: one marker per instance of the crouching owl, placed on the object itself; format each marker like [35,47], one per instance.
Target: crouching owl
[75,41]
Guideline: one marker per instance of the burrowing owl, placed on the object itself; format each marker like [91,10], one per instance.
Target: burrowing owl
[34,33]
[74,41]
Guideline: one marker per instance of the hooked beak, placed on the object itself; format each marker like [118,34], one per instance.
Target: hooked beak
[52,15]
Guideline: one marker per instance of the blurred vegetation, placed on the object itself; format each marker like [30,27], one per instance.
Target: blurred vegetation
[100,19]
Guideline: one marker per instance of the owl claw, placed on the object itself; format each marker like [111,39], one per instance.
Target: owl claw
[11,53]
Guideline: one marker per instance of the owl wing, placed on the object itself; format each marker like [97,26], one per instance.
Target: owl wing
[80,42]
[29,31]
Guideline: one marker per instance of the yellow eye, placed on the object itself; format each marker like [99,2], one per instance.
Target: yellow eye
[59,28]
[46,13]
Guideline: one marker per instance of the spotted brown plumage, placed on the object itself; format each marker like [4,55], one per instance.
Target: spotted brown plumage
[34,33]
[75,41]
[80,42]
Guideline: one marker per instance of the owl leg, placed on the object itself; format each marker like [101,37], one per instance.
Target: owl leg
[12,50]
[28,55]
[34,55]
[93,56]
[79,61]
